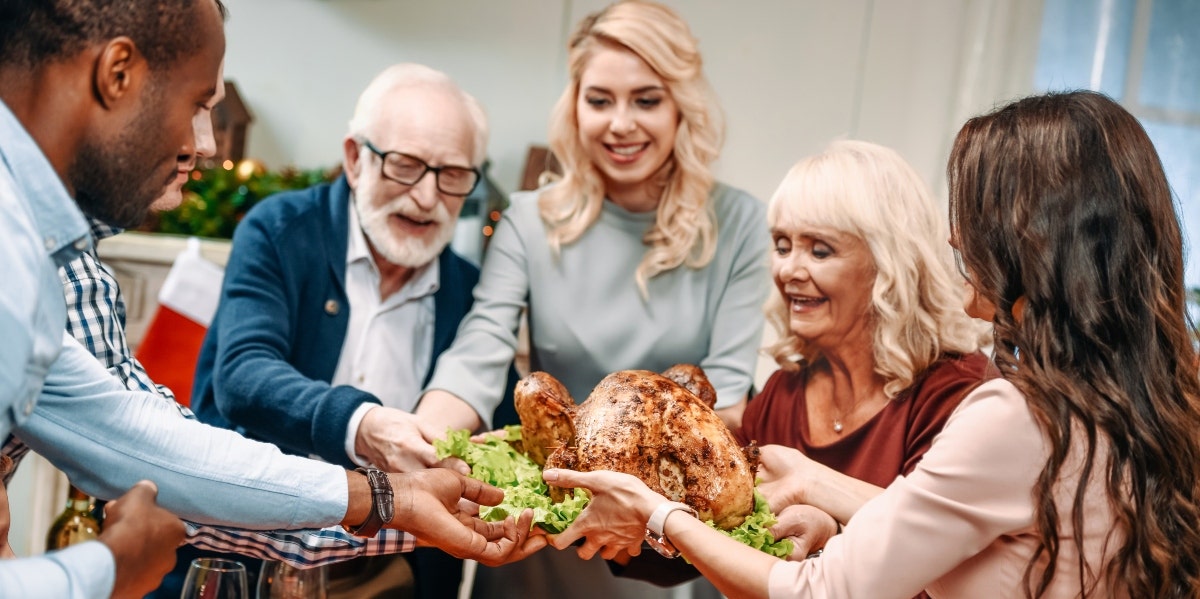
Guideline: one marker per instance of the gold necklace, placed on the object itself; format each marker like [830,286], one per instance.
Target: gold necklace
[838,427]
[838,417]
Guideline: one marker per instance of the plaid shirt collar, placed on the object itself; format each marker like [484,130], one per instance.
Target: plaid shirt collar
[102,230]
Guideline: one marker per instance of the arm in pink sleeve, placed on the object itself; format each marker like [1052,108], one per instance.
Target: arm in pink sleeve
[972,487]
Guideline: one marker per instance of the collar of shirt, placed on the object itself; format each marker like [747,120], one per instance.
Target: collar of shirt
[102,230]
[59,222]
[426,281]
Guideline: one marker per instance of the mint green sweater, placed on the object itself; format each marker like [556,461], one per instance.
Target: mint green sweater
[587,317]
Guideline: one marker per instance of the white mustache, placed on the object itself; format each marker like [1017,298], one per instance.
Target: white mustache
[406,207]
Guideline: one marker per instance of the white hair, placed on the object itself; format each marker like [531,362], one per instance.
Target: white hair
[412,75]
[872,193]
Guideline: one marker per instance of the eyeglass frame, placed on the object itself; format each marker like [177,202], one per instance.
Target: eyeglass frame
[437,170]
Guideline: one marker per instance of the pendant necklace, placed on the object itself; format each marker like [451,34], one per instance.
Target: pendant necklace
[838,417]
[837,420]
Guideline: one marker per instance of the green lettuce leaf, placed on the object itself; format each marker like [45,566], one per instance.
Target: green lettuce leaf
[753,531]
[496,462]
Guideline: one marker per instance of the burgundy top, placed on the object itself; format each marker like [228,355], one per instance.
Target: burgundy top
[889,444]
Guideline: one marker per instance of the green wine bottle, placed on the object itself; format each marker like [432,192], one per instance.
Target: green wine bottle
[75,524]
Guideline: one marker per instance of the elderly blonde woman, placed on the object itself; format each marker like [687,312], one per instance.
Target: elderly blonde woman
[874,347]
[636,258]
[875,350]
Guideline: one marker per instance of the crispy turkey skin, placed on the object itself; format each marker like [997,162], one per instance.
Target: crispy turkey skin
[654,427]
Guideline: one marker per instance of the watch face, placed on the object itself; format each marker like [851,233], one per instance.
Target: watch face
[662,546]
[655,535]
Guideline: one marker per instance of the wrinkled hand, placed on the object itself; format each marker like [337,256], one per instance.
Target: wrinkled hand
[808,528]
[397,441]
[614,521]
[430,505]
[143,538]
[782,471]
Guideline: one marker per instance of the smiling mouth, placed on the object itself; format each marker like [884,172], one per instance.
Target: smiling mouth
[626,153]
[804,304]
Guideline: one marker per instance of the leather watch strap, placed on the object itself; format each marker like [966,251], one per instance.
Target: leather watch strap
[382,503]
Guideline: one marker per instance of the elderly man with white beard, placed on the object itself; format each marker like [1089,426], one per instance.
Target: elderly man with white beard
[338,299]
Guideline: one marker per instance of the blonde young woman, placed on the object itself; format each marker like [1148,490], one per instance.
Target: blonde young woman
[637,257]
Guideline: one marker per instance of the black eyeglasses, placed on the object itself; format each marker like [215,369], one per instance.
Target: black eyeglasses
[408,170]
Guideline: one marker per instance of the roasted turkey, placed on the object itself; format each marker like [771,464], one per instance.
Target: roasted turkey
[660,428]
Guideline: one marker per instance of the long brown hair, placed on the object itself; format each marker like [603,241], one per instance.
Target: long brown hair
[1061,207]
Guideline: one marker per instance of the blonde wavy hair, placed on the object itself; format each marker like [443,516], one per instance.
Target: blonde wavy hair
[685,229]
[870,192]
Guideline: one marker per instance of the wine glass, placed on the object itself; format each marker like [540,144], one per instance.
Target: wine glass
[280,580]
[211,578]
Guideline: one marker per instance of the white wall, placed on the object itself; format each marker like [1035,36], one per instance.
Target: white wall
[791,74]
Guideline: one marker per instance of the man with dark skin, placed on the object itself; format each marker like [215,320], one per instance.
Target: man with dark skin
[85,113]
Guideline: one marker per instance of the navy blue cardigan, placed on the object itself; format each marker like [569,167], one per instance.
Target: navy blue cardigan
[275,341]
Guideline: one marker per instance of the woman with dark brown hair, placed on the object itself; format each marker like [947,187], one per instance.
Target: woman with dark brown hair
[1066,223]
[1072,474]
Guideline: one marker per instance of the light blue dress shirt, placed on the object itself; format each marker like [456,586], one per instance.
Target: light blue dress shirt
[63,403]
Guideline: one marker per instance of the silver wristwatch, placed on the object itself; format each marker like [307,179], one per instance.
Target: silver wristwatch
[655,536]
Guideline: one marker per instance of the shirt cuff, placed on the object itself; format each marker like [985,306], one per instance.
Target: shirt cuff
[352,432]
[93,567]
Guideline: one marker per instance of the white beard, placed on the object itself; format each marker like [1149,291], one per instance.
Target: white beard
[407,251]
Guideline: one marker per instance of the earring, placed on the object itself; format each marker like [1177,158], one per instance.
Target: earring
[1018,309]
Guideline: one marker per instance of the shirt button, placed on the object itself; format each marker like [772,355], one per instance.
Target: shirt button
[50,243]
[81,244]
[361,378]
[331,307]
[29,407]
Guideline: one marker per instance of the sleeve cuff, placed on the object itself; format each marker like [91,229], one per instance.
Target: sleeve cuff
[352,432]
[91,565]
[485,417]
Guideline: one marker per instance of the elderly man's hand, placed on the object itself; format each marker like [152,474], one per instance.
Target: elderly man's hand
[437,506]
[397,441]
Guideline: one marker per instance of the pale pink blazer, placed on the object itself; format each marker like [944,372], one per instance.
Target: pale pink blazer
[961,525]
